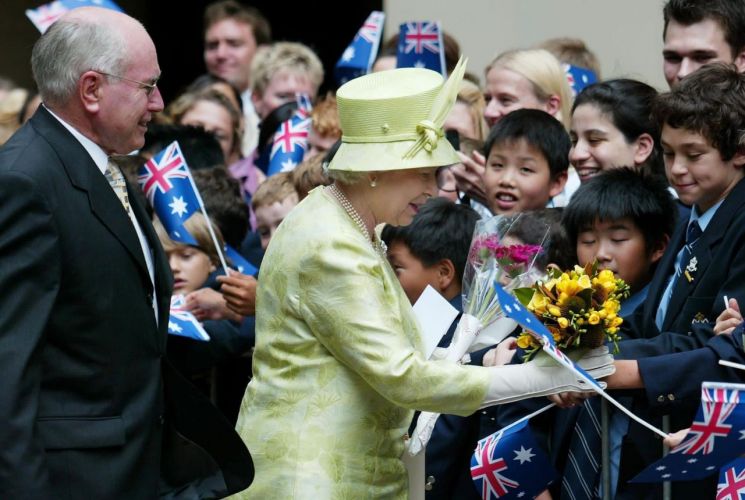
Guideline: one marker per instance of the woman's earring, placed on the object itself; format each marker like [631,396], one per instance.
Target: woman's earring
[373,182]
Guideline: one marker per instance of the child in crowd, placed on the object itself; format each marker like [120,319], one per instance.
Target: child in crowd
[274,199]
[623,219]
[573,51]
[612,126]
[526,162]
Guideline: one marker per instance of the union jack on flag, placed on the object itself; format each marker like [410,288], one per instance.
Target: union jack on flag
[359,56]
[45,15]
[183,323]
[732,481]
[167,183]
[578,77]
[420,45]
[290,142]
[510,464]
[717,436]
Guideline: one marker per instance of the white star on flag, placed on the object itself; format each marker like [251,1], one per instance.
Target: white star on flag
[348,54]
[523,455]
[661,467]
[692,460]
[178,206]
[742,435]
[174,327]
[288,165]
[419,64]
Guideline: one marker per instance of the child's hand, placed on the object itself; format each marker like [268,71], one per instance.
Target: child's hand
[729,319]
[469,175]
[239,291]
[502,354]
[674,439]
[206,303]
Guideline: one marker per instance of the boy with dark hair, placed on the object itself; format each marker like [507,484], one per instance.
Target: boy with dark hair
[698,32]
[703,129]
[200,148]
[622,218]
[527,158]
[433,249]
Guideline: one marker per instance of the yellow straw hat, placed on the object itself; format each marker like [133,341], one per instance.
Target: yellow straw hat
[392,120]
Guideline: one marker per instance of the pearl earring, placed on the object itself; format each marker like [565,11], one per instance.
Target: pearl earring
[373,182]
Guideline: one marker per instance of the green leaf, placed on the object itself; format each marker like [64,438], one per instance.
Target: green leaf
[524,295]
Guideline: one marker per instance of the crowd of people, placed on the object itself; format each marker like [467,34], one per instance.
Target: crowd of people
[313,370]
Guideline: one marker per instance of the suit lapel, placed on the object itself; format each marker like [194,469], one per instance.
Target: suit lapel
[85,175]
[703,251]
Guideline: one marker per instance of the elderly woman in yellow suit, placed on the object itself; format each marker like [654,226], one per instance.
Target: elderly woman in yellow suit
[338,365]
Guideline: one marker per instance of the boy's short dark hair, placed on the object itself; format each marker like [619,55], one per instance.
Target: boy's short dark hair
[200,148]
[711,102]
[230,9]
[530,229]
[729,14]
[537,128]
[440,230]
[222,198]
[623,193]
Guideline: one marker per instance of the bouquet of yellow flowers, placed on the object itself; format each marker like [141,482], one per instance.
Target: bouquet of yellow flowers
[579,307]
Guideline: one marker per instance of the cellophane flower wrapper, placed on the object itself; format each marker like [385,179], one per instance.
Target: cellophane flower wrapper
[578,306]
[497,254]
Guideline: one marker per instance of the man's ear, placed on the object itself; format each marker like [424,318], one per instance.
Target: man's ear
[445,274]
[659,249]
[738,160]
[557,183]
[90,89]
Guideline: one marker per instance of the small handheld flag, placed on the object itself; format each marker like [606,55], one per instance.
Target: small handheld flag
[510,464]
[45,15]
[579,78]
[183,323]
[360,55]
[420,45]
[715,437]
[239,262]
[290,142]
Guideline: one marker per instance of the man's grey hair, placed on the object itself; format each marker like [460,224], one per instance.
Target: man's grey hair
[69,48]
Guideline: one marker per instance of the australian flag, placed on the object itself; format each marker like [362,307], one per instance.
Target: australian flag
[420,46]
[168,185]
[182,322]
[360,55]
[44,16]
[731,484]
[716,436]
[512,308]
[510,464]
[579,78]
[290,141]
[239,262]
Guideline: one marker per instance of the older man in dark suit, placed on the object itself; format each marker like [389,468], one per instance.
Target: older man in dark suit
[90,407]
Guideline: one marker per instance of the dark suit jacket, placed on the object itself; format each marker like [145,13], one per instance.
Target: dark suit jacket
[90,407]
[689,321]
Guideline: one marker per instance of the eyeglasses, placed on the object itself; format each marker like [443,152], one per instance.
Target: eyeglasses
[446,180]
[149,88]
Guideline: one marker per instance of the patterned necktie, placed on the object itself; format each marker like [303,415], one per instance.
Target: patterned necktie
[693,233]
[116,181]
[582,470]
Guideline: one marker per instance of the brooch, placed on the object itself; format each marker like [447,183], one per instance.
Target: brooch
[691,268]
[699,318]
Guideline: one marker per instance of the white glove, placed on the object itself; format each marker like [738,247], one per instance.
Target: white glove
[544,376]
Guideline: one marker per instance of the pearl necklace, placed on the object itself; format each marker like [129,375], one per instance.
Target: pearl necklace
[377,245]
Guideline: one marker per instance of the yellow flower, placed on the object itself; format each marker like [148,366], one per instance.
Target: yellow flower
[567,285]
[538,303]
[606,275]
[612,306]
[594,318]
[563,322]
[584,282]
[524,340]
[554,310]
[617,321]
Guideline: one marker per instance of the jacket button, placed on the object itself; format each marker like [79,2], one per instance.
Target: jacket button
[660,398]
[430,483]
[671,397]
[161,419]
